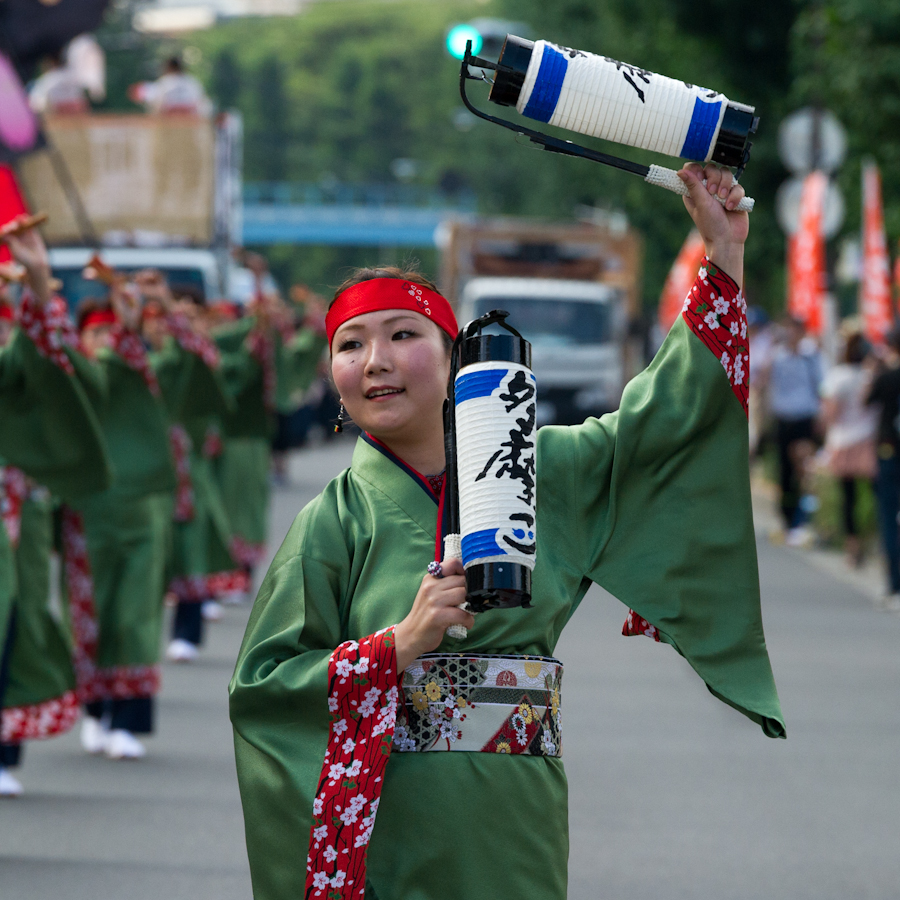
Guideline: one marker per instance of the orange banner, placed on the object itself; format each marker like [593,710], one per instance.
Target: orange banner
[679,280]
[806,257]
[875,287]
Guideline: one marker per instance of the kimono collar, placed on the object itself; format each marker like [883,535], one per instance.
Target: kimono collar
[377,464]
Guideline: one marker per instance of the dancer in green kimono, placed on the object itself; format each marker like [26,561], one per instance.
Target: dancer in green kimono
[126,546]
[50,441]
[262,360]
[345,675]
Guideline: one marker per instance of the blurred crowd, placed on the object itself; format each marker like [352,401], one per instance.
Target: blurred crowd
[137,435]
[826,429]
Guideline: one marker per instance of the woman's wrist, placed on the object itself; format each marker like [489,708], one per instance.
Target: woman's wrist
[729,258]
[404,646]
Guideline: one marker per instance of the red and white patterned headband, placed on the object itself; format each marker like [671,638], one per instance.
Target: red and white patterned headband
[378,294]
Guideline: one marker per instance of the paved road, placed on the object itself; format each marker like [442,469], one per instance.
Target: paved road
[673,794]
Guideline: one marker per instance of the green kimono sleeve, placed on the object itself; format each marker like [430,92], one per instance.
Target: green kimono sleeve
[279,697]
[189,387]
[47,426]
[7,583]
[659,492]
[298,362]
[135,426]
[243,379]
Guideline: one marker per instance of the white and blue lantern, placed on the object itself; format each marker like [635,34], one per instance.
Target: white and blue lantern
[494,405]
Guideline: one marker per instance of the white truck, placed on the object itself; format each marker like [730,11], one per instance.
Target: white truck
[570,289]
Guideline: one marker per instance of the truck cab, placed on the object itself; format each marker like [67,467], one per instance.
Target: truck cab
[577,330]
[188,270]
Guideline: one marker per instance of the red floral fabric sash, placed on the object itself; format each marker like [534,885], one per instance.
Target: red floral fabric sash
[716,312]
[180,445]
[363,689]
[13,491]
[131,348]
[42,325]
[180,329]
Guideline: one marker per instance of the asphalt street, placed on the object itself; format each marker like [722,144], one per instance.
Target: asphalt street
[673,794]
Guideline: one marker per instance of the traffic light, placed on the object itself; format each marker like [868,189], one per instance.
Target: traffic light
[457,37]
[487,37]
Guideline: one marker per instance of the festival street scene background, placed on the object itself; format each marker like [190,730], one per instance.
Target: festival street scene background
[186,183]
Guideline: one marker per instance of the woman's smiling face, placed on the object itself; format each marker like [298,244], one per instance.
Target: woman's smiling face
[391,369]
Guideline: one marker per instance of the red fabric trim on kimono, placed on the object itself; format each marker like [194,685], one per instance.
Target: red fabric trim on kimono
[121,683]
[246,552]
[261,346]
[80,588]
[635,624]
[197,588]
[59,319]
[39,327]
[198,344]
[180,445]
[212,443]
[363,688]
[40,720]
[13,491]
[131,348]
[716,312]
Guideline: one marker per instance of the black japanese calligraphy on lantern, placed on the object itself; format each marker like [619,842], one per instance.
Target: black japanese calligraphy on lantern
[630,73]
[517,462]
[521,545]
[572,53]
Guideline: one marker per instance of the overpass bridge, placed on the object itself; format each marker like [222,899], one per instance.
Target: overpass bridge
[365,215]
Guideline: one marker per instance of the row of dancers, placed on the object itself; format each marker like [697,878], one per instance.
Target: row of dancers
[134,447]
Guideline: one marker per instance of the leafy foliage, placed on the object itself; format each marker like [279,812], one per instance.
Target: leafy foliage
[344,89]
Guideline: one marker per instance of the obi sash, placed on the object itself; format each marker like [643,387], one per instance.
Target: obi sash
[481,703]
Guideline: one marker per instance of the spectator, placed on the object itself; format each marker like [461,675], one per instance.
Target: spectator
[58,90]
[174,92]
[795,375]
[850,427]
[885,394]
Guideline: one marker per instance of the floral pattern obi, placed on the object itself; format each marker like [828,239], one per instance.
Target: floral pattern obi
[481,703]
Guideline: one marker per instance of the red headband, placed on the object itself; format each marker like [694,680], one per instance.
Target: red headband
[7,312]
[390,293]
[97,318]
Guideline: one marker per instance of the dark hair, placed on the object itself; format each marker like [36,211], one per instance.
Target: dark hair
[856,349]
[90,305]
[174,64]
[368,273]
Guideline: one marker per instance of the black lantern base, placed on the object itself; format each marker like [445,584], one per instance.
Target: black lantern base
[498,585]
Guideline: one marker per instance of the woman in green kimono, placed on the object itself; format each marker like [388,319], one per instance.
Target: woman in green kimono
[47,431]
[262,360]
[126,548]
[346,675]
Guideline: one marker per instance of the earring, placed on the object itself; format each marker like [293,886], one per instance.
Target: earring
[339,426]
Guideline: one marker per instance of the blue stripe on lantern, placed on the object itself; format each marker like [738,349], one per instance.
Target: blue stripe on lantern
[704,120]
[480,545]
[547,86]
[482,383]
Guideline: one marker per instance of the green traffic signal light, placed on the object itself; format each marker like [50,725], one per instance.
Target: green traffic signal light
[457,37]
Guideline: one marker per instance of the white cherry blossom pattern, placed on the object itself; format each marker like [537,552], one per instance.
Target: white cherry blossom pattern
[131,348]
[716,311]
[363,690]
[42,327]
[635,624]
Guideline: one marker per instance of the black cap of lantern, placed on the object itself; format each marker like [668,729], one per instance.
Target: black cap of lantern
[732,147]
[511,68]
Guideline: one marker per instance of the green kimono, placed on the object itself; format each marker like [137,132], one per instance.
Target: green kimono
[125,543]
[651,502]
[195,397]
[242,469]
[49,430]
